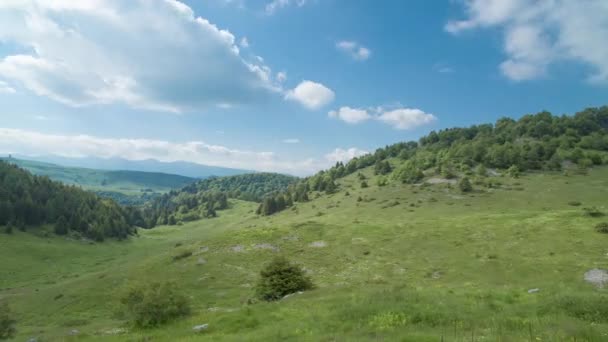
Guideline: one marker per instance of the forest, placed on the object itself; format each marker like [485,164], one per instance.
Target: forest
[28,201]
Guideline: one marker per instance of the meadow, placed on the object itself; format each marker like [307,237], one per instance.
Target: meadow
[395,263]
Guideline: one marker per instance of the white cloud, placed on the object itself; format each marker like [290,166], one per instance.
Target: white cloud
[311,95]
[399,118]
[354,50]
[244,43]
[350,115]
[342,155]
[281,76]
[406,118]
[33,143]
[152,54]
[275,5]
[291,141]
[541,32]
[6,89]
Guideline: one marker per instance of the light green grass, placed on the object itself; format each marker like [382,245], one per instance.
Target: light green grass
[439,264]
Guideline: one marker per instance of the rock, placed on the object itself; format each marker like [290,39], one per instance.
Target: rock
[597,277]
[32,339]
[201,261]
[204,249]
[534,290]
[199,328]
[237,248]
[266,246]
[318,244]
[74,332]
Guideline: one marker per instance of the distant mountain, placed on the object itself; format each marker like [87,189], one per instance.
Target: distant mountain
[95,179]
[187,169]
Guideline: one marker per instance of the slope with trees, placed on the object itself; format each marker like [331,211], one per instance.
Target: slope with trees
[27,200]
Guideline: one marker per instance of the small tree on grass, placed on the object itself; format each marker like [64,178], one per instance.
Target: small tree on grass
[280,278]
[465,185]
[513,171]
[154,304]
[7,323]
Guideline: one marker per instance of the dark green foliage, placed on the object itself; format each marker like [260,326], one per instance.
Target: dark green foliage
[465,185]
[9,228]
[574,203]
[593,212]
[382,181]
[280,278]
[602,227]
[211,195]
[364,184]
[7,322]
[27,200]
[409,173]
[153,304]
[513,171]
[182,254]
[382,167]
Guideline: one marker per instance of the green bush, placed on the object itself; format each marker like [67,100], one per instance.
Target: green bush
[574,203]
[465,185]
[7,323]
[154,304]
[182,254]
[280,278]
[593,212]
[602,227]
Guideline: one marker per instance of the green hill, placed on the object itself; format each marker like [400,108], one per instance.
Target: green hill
[126,187]
[404,251]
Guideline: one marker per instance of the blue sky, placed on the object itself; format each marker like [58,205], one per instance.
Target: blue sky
[284,85]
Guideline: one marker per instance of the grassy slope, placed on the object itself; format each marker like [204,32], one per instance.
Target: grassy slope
[439,263]
[126,182]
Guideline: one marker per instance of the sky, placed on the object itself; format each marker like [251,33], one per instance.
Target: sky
[288,86]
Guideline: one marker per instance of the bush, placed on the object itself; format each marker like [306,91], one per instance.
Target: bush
[154,304]
[280,278]
[602,227]
[182,254]
[363,184]
[7,323]
[593,212]
[574,203]
[513,171]
[465,185]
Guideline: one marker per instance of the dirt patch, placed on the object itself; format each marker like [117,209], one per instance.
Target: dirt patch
[437,180]
[597,277]
[266,246]
[237,248]
[318,244]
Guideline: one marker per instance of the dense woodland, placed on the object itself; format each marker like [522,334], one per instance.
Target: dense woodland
[534,142]
[204,198]
[27,200]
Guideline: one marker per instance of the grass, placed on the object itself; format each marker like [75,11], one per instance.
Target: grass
[405,263]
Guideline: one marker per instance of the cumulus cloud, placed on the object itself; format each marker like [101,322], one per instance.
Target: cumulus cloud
[244,43]
[33,143]
[350,115]
[399,118]
[275,5]
[344,155]
[538,33]
[406,118]
[311,95]
[354,50]
[153,54]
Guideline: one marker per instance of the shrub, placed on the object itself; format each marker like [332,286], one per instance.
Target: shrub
[513,171]
[593,212]
[280,278]
[465,185]
[7,323]
[382,181]
[182,254]
[602,227]
[363,184]
[574,203]
[154,304]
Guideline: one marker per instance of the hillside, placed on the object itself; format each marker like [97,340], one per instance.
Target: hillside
[493,232]
[203,198]
[126,187]
[419,261]
[29,201]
